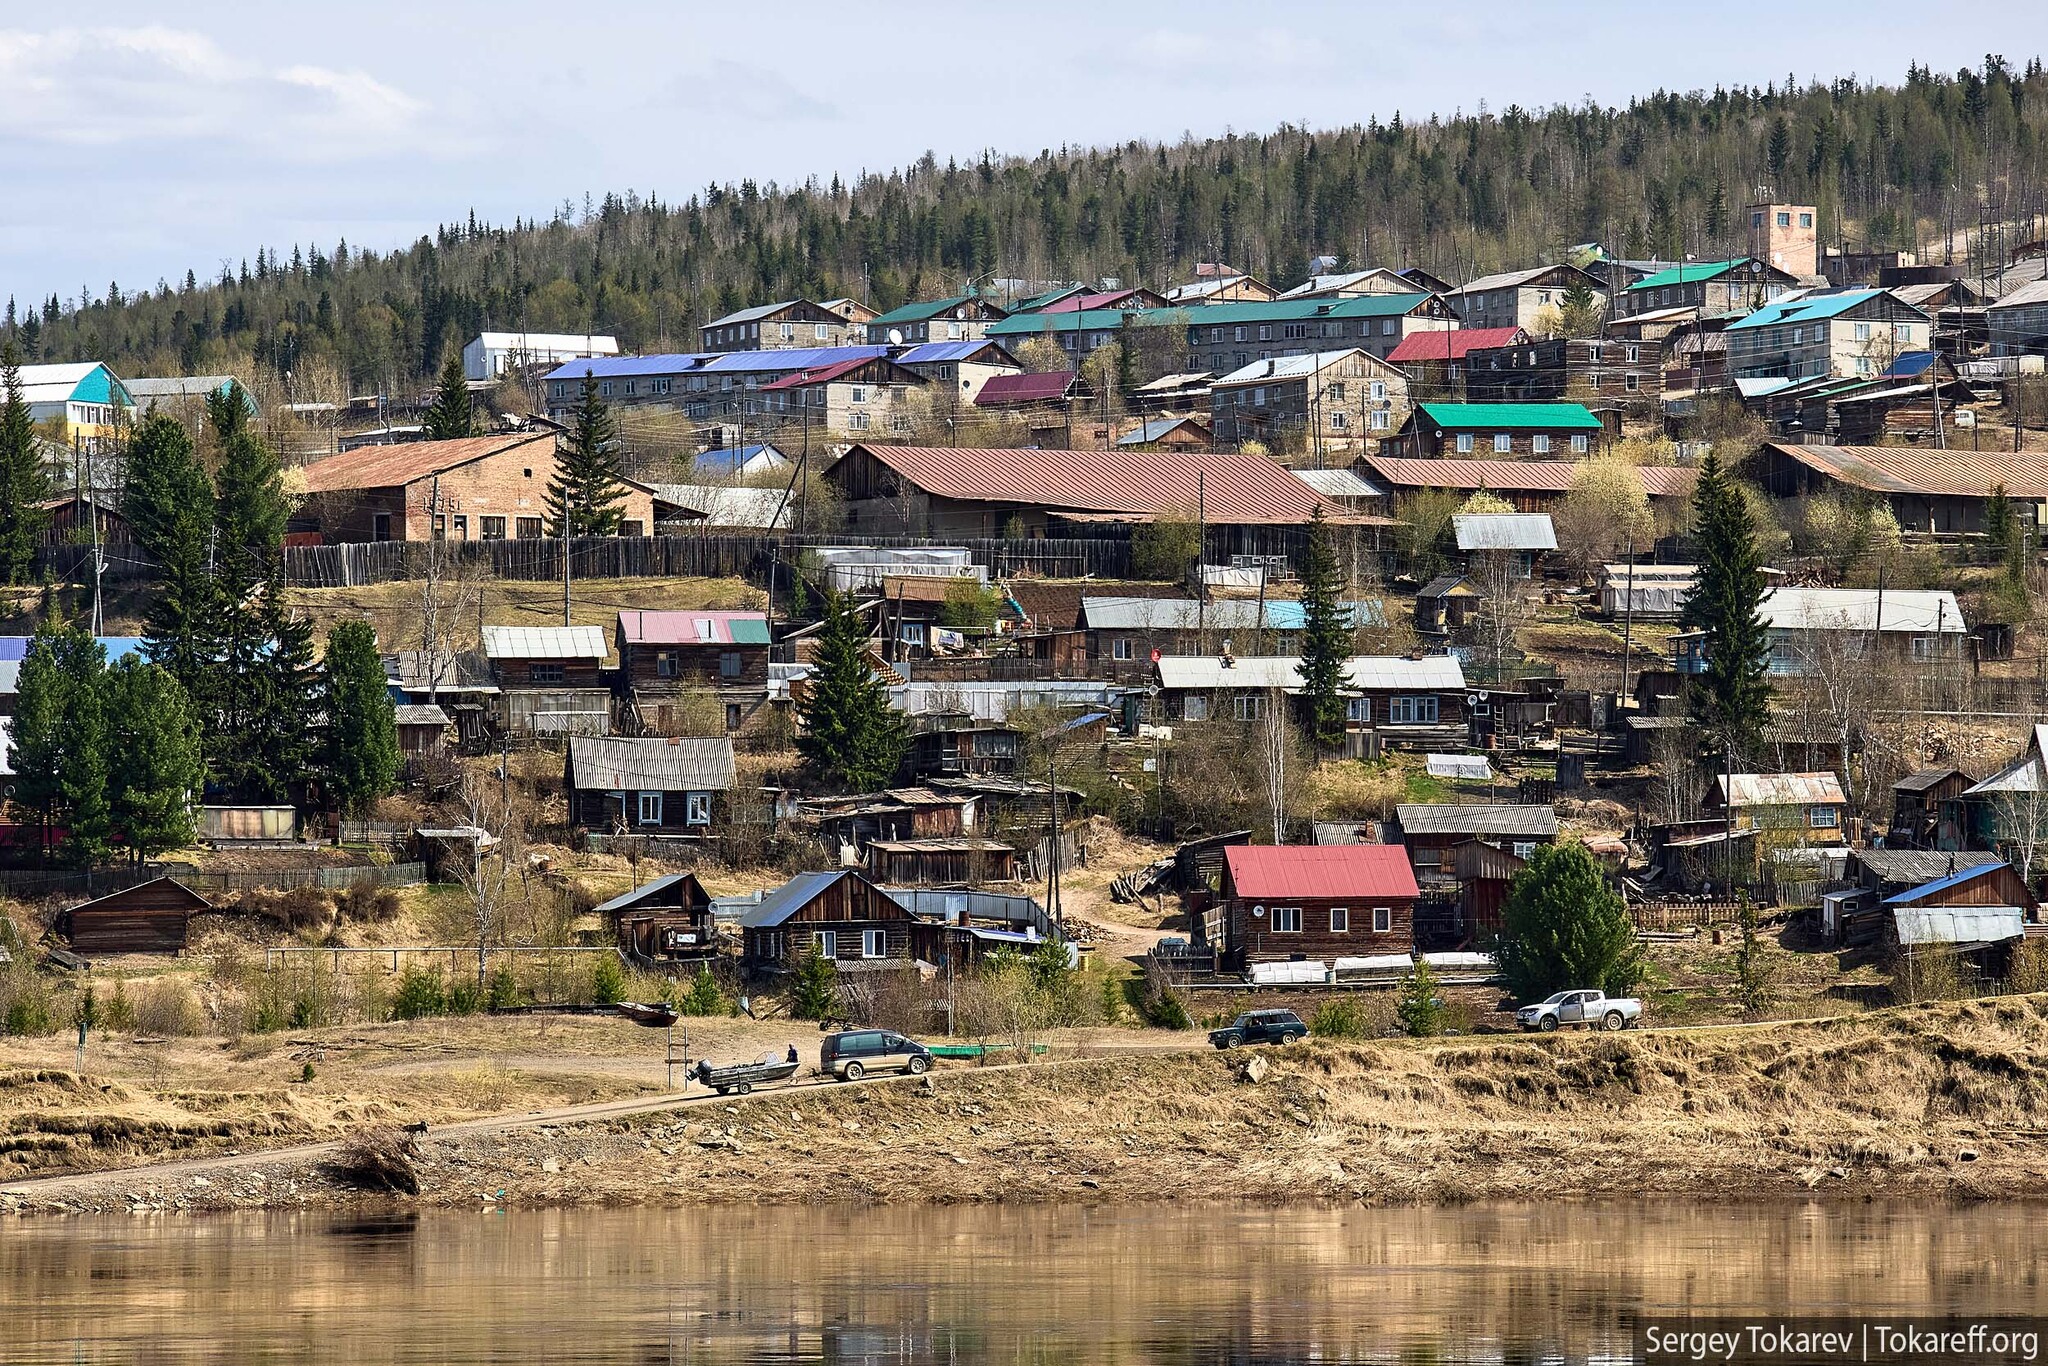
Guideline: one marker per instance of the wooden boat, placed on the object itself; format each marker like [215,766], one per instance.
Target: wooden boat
[653,1014]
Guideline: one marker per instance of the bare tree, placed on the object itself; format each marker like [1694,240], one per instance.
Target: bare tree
[1506,603]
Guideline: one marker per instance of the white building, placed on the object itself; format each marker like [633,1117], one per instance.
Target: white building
[488,356]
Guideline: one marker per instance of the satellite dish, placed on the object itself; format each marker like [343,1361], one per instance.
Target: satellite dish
[895,336]
[1258,912]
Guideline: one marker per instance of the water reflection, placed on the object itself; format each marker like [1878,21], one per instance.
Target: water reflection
[1487,1285]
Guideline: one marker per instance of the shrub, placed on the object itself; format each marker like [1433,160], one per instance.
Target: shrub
[379,1160]
[815,995]
[704,997]
[2029,969]
[1350,1018]
[419,994]
[1420,1010]
[502,992]
[366,902]
[607,980]
[1929,974]
[168,1008]
[465,996]
[117,1013]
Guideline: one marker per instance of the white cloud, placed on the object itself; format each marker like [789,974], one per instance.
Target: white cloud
[139,89]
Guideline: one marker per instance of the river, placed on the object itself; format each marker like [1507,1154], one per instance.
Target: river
[1005,1284]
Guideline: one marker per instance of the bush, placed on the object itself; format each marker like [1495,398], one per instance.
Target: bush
[502,992]
[168,1008]
[607,980]
[704,997]
[366,902]
[1930,974]
[1352,1017]
[25,1002]
[465,997]
[2028,971]
[117,1012]
[419,994]
[1420,1011]
[815,995]
[1165,548]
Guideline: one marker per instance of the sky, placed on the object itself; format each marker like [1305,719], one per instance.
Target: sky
[139,141]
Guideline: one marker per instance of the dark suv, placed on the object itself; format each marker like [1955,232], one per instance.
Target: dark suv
[854,1053]
[1260,1026]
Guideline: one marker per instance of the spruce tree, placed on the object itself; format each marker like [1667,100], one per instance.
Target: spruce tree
[1565,926]
[1325,638]
[852,738]
[452,416]
[1998,520]
[585,496]
[1731,698]
[159,772]
[38,741]
[249,499]
[169,504]
[61,745]
[361,762]
[23,484]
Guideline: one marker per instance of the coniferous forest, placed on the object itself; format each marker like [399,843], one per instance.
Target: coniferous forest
[1949,164]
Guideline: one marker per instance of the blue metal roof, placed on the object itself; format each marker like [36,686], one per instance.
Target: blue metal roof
[1909,365]
[646,889]
[791,897]
[1955,879]
[117,647]
[612,367]
[790,359]
[731,459]
[930,353]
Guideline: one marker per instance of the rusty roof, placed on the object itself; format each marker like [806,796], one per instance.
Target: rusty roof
[385,467]
[1781,789]
[1514,476]
[1904,469]
[1244,490]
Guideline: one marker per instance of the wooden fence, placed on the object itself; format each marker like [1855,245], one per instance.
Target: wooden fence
[1682,915]
[36,884]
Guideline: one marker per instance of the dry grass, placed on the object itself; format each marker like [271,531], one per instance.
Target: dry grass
[394,608]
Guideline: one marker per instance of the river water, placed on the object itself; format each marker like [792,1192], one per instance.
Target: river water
[1498,1285]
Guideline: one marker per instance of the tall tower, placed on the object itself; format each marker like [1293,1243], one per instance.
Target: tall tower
[1787,236]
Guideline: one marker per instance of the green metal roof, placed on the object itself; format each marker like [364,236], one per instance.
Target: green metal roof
[749,630]
[1809,309]
[1490,416]
[1210,315]
[1038,301]
[1690,273]
[1080,320]
[919,312]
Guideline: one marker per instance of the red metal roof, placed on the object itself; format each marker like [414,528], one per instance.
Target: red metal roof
[823,374]
[1421,346]
[680,628]
[1130,485]
[1279,872]
[1514,476]
[385,467]
[998,390]
[1912,469]
[1075,303]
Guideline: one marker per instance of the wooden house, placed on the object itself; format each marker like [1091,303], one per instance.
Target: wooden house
[664,921]
[1804,808]
[840,915]
[1289,902]
[1432,832]
[1445,604]
[422,728]
[1403,701]
[1927,809]
[1538,431]
[650,785]
[719,655]
[151,917]
[1976,912]
[1560,368]
[550,679]
[1483,873]
[950,744]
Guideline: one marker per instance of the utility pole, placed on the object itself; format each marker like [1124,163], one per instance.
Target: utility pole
[1628,615]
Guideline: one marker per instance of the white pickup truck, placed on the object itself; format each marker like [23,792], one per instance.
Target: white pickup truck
[1588,1008]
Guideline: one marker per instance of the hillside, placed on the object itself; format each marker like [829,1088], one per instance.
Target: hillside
[1913,165]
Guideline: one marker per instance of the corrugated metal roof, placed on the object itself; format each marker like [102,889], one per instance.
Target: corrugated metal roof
[792,896]
[1919,865]
[615,367]
[1282,368]
[1782,789]
[1958,924]
[419,714]
[1809,308]
[614,763]
[1688,273]
[2034,292]
[720,506]
[1913,610]
[1908,469]
[1027,388]
[1514,476]
[1452,344]
[693,628]
[756,313]
[1460,818]
[1232,490]
[1504,531]
[1070,303]
[785,360]
[823,374]
[1431,673]
[1343,483]
[1923,779]
[922,311]
[380,467]
[61,382]
[1943,883]
[933,353]
[544,642]
[1315,872]
[627,900]
[1159,428]
[1506,279]
[1226,614]
[1573,417]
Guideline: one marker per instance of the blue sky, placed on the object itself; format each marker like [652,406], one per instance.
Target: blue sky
[142,140]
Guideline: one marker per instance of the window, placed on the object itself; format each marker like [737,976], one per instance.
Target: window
[1195,708]
[650,808]
[1923,647]
[1238,334]
[1382,919]
[380,525]
[632,386]
[1387,328]
[1249,706]
[1523,849]
[1259,396]
[827,942]
[1863,332]
[1784,220]
[1411,711]
[1756,220]
[1798,335]
[820,332]
[1823,818]
[1293,331]
[543,671]
[1503,443]
[1379,391]
[529,528]
[858,421]
[729,664]
[1121,648]
[1631,382]
[461,527]
[1631,354]
[1464,443]
[1337,421]
[789,331]
[1805,220]
[1340,920]
[859,394]
[1358,709]
[1265,331]
[874,943]
[605,389]
[631,527]
[1593,353]
[1287,920]
[1539,444]
[1579,444]
[734,715]
[494,528]
[1382,419]
[1333,393]
[697,808]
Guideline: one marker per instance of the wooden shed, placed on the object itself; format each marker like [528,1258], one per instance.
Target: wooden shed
[666,920]
[961,862]
[150,917]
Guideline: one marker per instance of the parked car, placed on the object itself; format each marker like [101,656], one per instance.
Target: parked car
[1589,1008]
[1260,1026]
[853,1053]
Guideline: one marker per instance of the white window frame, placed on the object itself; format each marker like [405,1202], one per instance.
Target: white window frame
[648,811]
[874,943]
[697,808]
[826,942]
[1287,920]
[1382,420]
[1503,443]
[1824,818]
[1121,648]
[1539,444]
[1419,710]
[1579,444]
[1464,443]
[1383,920]
[1340,920]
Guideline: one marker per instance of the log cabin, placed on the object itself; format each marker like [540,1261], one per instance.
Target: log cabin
[151,917]
[654,785]
[840,915]
[664,921]
[1288,902]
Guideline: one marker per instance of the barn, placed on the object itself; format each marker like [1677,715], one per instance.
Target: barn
[150,917]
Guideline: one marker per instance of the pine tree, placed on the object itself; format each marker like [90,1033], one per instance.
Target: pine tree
[361,762]
[1325,638]
[585,494]
[1565,926]
[1998,519]
[249,501]
[168,502]
[1731,699]
[23,484]
[452,416]
[61,747]
[153,732]
[852,738]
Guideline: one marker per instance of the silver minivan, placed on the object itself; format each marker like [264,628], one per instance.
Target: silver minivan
[853,1053]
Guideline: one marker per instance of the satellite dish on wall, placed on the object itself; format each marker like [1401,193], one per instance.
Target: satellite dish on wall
[895,336]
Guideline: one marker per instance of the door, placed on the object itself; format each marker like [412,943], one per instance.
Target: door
[1573,1010]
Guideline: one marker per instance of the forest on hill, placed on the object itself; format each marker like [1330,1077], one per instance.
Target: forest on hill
[1951,165]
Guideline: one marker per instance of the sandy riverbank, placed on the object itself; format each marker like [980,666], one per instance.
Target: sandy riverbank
[1947,1100]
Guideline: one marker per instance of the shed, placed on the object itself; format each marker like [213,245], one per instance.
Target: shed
[942,862]
[1927,808]
[422,728]
[1445,604]
[150,917]
[664,920]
